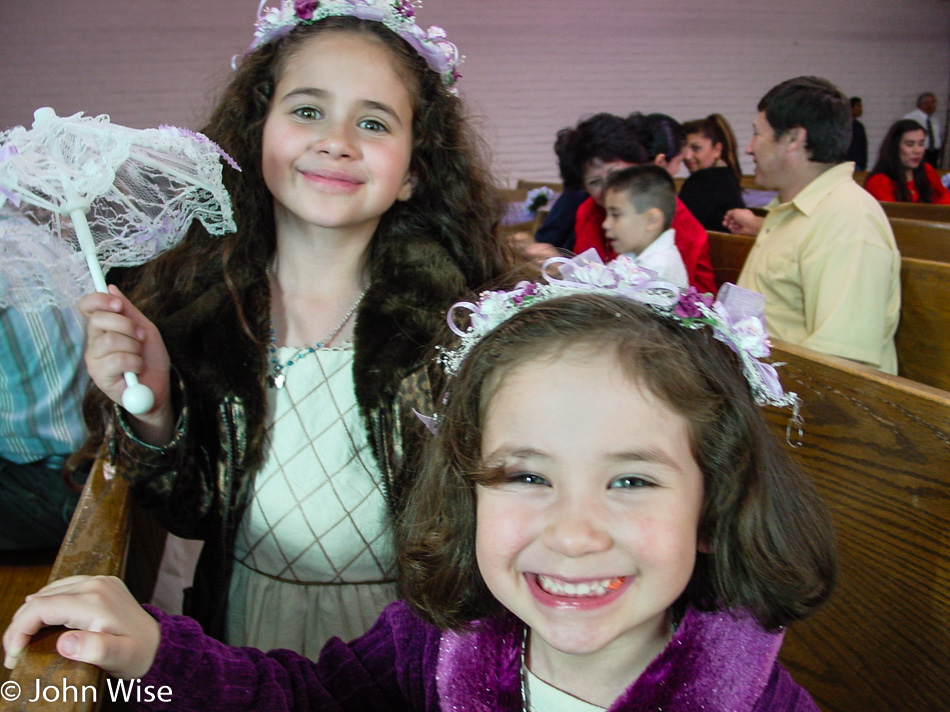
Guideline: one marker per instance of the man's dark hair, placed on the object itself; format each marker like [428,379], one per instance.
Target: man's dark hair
[924,95]
[816,105]
[855,100]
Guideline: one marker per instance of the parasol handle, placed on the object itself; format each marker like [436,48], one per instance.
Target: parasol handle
[136,398]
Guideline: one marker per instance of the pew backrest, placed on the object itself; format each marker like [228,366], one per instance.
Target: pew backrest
[923,334]
[727,253]
[556,186]
[877,448]
[921,239]
[917,211]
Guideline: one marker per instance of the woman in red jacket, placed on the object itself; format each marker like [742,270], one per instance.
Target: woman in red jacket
[901,174]
[590,151]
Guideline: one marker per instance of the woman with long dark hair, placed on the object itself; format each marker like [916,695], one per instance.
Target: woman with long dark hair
[901,174]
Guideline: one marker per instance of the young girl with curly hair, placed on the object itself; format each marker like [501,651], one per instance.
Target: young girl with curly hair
[287,359]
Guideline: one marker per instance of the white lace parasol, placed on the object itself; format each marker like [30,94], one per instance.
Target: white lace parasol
[129,194]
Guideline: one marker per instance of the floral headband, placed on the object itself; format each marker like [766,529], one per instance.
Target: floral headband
[735,317]
[441,55]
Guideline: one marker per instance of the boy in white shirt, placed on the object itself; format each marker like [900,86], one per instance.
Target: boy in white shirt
[640,202]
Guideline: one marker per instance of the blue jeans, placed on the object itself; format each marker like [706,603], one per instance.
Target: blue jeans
[35,505]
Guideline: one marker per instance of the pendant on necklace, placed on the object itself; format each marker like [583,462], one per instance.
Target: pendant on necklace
[276,381]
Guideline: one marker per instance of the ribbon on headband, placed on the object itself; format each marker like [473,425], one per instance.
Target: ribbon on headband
[736,317]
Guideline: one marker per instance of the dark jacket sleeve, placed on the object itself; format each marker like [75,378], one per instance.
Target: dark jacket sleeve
[176,481]
[558,227]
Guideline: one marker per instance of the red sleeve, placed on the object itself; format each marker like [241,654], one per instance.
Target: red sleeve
[588,228]
[693,243]
[881,187]
[939,195]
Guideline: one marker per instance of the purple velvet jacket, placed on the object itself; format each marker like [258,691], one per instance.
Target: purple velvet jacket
[715,662]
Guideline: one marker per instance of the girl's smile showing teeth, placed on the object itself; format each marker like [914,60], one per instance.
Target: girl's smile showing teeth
[578,594]
[594,588]
[588,532]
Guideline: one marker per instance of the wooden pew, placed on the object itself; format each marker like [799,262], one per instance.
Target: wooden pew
[747,182]
[512,195]
[727,253]
[877,447]
[96,543]
[922,240]
[556,186]
[21,573]
[915,238]
[923,334]
[917,211]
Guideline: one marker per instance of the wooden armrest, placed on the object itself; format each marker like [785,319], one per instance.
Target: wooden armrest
[96,543]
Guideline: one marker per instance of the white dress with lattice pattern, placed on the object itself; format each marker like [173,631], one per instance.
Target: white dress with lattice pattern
[313,553]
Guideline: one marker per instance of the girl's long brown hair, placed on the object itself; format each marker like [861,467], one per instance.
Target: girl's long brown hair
[454,202]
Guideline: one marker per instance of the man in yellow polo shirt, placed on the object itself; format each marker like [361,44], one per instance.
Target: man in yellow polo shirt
[825,256]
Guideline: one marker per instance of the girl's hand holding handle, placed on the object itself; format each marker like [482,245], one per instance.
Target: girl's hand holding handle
[120,339]
[109,628]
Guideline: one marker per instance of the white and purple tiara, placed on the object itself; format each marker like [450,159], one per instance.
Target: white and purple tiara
[735,316]
[398,15]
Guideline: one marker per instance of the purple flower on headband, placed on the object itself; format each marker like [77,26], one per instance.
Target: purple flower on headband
[528,291]
[304,8]
[405,8]
[688,306]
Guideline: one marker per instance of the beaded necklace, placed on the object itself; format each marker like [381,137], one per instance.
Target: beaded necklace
[276,378]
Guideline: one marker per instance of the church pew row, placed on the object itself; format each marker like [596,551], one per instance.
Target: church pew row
[917,211]
[877,447]
[923,334]
[556,186]
[96,543]
[922,240]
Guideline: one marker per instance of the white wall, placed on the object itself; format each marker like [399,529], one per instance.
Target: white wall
[532,67]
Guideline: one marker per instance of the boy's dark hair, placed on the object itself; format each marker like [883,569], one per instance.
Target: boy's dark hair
[647,186]
[603,136]
[889,163]
[816,105]
[717,129]
[769,536]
